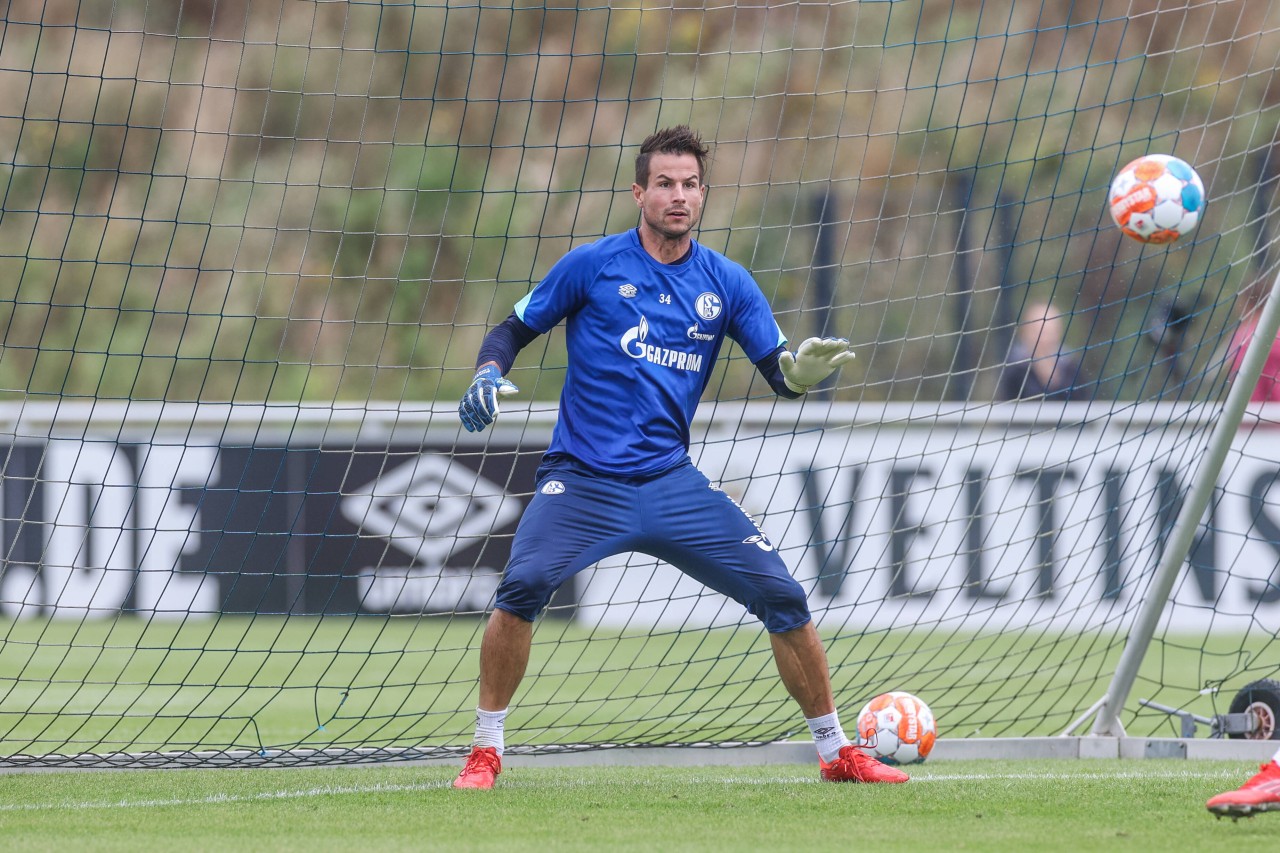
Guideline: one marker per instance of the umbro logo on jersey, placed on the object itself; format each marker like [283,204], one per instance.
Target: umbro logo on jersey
[552,487]
[760,541]
[628,291]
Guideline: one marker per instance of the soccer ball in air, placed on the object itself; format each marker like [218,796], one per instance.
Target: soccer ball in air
[1156,199]
[897,728]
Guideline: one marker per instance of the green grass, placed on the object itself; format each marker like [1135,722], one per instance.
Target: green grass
[970,805]
[128,684]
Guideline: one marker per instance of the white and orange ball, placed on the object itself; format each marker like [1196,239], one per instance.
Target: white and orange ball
[1156,199]
[897,728]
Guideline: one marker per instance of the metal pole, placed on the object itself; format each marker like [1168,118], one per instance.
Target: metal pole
[824,280]
[965,361]
[1006,303]
[1108,722]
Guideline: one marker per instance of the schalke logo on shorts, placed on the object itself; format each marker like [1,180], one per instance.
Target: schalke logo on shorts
[552,487]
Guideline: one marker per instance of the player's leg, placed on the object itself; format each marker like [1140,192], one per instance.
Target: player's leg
[704,533]
[571,522]
[802,664]
[1260,794]
[504,654]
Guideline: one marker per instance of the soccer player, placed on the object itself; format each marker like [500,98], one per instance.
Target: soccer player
[646,313]
[1260,794]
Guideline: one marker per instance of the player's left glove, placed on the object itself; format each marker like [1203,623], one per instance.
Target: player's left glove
[814,360]
[479,405]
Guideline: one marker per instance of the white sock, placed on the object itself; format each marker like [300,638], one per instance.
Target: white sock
[489,728]
[828,737]
[1276,757]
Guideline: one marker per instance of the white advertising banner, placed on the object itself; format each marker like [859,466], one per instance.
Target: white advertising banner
[981,528]
[980,520]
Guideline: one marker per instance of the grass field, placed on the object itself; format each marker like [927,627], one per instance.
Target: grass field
[128,684]
[1146,805]
[116,684]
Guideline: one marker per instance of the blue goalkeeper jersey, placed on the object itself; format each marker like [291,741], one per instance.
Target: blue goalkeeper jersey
[643,338]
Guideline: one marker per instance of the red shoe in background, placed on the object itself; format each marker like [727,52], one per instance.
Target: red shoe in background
[1259,794]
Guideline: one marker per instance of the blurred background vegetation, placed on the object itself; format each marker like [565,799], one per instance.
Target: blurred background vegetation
[277,200]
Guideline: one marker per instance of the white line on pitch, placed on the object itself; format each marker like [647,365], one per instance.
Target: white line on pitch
[345,790]
[995,777]
[217,799]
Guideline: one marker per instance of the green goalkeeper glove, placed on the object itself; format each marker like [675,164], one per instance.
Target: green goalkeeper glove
[814,360]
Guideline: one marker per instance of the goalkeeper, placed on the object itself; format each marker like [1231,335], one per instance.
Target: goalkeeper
[646,313]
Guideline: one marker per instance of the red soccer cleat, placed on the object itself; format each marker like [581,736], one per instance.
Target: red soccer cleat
[1259,794]
[482,767]
[854,766]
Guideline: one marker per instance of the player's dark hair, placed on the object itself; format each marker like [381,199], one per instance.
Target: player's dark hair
[680,139]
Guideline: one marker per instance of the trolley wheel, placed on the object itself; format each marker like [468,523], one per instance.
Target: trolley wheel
[1263,699]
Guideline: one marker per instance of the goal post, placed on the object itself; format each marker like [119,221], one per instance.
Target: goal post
[1204,483]
[249,249]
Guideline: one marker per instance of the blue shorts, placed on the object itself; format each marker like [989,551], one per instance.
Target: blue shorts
[578,517]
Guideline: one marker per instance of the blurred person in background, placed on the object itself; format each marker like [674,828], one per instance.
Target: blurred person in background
[1039,367]
[1268,387]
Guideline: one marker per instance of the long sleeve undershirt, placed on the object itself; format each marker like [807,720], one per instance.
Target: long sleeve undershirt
[504,342]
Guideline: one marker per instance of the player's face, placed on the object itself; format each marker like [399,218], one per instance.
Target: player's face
[672,202]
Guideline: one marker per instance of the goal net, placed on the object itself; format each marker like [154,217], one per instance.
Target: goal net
[249,249]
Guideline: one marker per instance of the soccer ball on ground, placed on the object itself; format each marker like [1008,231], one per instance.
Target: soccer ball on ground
[1156,199]
[896,728]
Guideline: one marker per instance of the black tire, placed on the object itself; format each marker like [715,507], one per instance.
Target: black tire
[1263,698]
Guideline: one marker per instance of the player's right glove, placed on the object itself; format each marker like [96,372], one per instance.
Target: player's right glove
[814,361]
[479,405]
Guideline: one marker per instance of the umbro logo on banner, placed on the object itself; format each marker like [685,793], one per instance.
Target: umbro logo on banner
[430,506]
